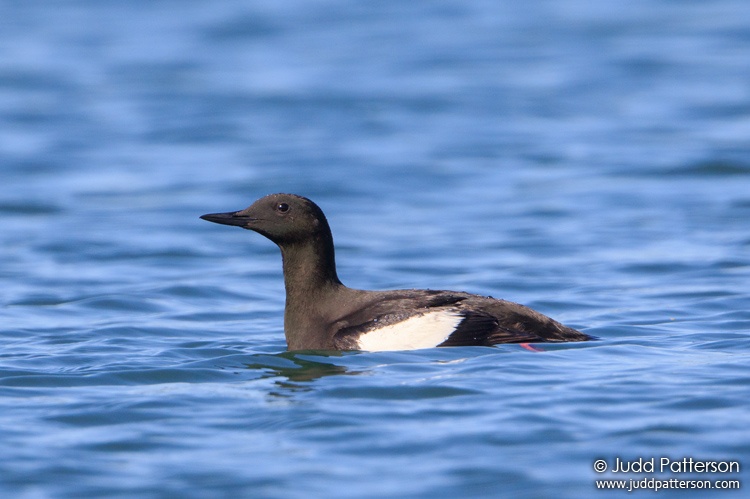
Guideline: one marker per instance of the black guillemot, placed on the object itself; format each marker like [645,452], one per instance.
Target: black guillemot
[321,313]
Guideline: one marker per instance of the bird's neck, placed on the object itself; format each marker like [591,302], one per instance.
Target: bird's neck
[309,277]
[309,267]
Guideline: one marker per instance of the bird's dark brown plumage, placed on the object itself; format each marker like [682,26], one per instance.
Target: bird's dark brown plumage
[322,313]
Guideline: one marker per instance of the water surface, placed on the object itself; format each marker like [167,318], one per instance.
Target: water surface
[587,159]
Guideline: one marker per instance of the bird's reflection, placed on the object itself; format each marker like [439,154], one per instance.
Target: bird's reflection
[293,368]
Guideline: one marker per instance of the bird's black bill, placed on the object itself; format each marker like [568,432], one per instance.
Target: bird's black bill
[230,218]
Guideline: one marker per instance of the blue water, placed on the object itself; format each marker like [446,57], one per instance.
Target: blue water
[589,159]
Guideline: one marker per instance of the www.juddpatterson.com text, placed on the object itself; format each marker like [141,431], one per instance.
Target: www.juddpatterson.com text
[654,484]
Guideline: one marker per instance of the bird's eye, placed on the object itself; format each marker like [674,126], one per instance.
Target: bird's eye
[282,207]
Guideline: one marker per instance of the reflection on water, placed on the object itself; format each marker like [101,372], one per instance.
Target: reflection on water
[298,366]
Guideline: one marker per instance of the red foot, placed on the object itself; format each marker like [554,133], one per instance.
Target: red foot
[529,347]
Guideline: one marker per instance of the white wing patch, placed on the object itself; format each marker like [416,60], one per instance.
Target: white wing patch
[422,331]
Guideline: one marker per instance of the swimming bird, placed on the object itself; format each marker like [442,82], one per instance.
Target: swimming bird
[321,313]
